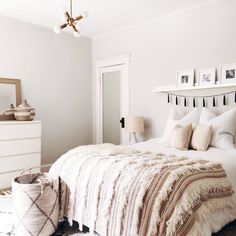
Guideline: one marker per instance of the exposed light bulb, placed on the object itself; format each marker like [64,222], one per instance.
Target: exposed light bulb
[57,29]
[77,34]
[84,14]
[78,26]
[63,17]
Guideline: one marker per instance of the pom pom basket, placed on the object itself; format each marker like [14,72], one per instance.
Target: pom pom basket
[36,204]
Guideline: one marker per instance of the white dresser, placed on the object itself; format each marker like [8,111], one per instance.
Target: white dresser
[20,148]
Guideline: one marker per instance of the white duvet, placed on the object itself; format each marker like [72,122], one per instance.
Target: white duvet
[227,158]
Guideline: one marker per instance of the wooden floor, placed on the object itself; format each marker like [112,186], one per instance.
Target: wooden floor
[64,230]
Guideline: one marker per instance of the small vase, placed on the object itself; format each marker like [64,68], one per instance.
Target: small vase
[23,112]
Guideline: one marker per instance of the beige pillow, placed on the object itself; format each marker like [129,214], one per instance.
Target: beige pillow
[201,137]
[181,136]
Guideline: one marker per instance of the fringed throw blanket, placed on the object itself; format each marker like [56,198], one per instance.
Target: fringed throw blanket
[119,191]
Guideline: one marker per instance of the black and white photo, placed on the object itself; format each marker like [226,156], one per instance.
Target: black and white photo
[228,73]
[185,78]
[207,77]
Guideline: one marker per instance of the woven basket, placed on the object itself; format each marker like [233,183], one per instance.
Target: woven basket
[35,204]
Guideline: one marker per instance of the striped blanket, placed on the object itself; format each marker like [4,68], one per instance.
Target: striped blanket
[119,191]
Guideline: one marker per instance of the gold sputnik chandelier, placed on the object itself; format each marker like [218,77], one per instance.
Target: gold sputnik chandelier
[70,21]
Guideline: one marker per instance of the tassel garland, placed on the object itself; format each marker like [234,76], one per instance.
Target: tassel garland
[178,99]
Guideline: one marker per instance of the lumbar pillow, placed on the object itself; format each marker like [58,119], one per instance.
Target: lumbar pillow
[175,118]
[201,137]
[181,137]
[223,126]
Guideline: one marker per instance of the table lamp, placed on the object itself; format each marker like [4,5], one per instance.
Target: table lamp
[134,124]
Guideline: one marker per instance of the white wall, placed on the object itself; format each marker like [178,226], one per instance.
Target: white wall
[55,71]
[200,38]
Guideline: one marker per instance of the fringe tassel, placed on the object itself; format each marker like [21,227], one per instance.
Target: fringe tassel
[235,97]
[185,101]
[224,100]
[203,102]
[176,101]
[214,102]
[168,98]
[194,102]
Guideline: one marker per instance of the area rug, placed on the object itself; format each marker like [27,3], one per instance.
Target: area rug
[64,229]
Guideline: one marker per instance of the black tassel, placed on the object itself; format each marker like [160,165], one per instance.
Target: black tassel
[185,102]
[168,98]
[235,97]
[224,100]
[214,102]
[176,100]
[194,102]
[203,102]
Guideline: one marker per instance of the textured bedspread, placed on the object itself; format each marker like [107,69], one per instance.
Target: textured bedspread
[120,191]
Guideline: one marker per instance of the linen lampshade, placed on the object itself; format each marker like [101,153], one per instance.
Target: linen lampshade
[134,124]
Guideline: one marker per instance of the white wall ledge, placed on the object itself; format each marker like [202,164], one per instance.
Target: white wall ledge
[171,88]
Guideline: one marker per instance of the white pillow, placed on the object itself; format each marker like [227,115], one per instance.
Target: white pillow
[206,115]
[176,118]
[224,128]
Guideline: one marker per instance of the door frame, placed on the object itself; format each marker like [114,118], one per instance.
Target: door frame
[120,63]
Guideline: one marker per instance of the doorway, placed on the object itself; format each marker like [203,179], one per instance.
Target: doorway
[112,100]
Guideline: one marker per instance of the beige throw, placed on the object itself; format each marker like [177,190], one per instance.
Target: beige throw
[129,193]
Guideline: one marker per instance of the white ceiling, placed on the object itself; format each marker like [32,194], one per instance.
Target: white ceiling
[104,15]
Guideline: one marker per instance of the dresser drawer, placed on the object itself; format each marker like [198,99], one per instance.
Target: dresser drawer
[18,147]
[6,179]
[20,162]
[19,130]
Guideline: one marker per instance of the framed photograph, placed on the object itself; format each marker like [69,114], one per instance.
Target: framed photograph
[228,74]
[185,78]
[207,77]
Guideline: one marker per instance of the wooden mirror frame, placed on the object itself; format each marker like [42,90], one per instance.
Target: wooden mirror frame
[17,84]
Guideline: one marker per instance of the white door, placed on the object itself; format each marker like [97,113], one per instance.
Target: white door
[112,104]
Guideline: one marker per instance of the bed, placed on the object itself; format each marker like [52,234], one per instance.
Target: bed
[109,189]
[151,188]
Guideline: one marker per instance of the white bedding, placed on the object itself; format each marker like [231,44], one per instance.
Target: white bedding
[227,158]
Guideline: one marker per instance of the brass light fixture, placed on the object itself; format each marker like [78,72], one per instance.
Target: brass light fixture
[69,20]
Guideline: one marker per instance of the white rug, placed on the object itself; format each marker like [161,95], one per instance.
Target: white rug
[6,216]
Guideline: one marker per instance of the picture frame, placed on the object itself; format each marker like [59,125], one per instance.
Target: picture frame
[207,77]
[228,74]
[185,78]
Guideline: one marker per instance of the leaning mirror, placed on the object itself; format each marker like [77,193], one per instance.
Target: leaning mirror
[10,93]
